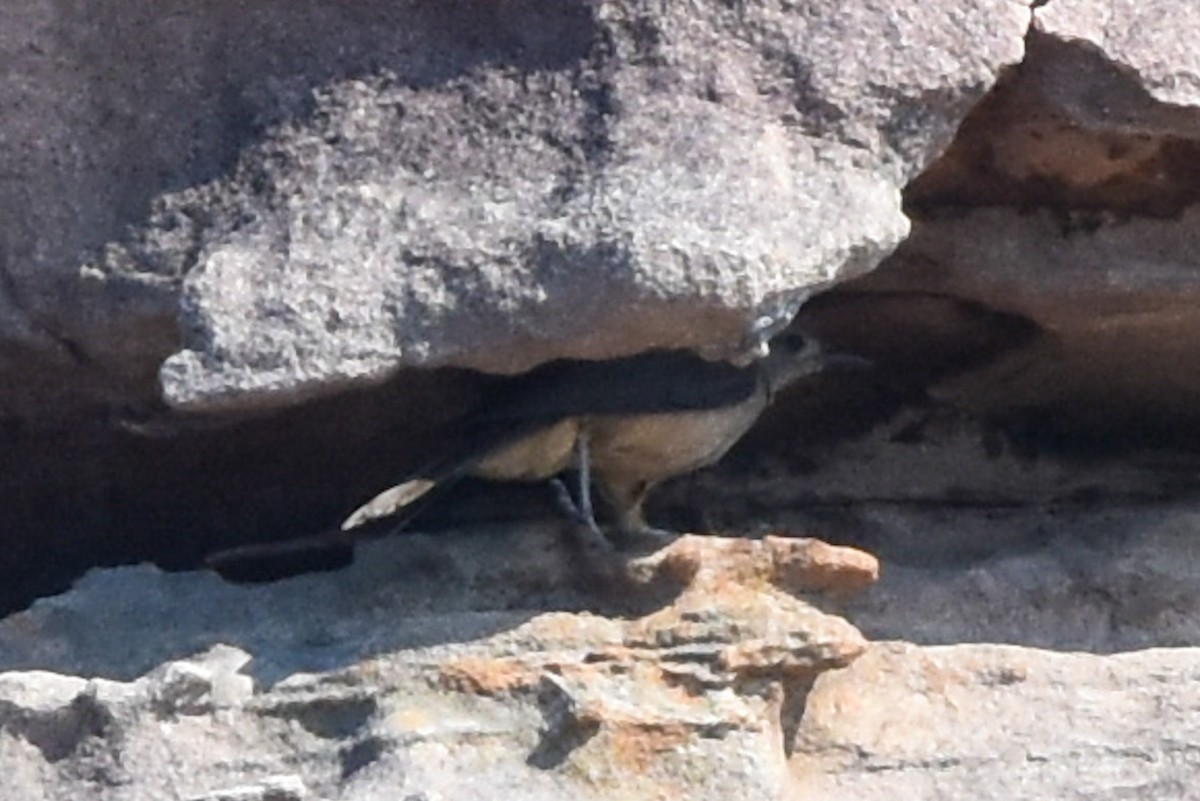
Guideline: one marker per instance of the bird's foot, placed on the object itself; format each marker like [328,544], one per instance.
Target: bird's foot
[641,537]
[581,516]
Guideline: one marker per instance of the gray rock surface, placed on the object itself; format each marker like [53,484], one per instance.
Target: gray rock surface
[1152,39]
[453,667]
[1068,201]
[997,722]
[984,543]
[377,687]
[337,191]
[1116,309]
[281,200]
[689,178]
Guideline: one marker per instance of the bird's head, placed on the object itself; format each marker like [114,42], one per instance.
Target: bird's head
[793,356]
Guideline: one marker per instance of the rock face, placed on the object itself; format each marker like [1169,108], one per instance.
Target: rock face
[679,179]
[316,195]
[321,193]
[256,262]
[387,688]
[989,721]
[1068,200]
[446,667]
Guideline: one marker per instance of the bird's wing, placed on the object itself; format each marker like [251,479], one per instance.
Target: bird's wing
[647,383]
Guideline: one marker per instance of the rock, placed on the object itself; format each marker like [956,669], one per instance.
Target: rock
[699,691]
[315,195]
[1149,39]
[1104,580]
[689,178]
[999,722]
[1067,201]
[717,677]
[202,684]
[253,206]
[334,192]
[1102,331]
[274,788]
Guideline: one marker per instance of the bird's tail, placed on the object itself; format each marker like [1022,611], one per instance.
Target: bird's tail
[408,497]
[403,498]
[273,558]
[390,502]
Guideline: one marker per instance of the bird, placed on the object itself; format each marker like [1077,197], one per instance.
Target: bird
[624,424]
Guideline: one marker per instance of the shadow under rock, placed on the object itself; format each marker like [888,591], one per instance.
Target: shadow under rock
[405,592]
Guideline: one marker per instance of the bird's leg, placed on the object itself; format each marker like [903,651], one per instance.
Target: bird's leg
[562,497]
[631,525]
[580,510]
[582,456]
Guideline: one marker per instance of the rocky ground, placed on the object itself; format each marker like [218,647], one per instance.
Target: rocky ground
[258,263]
[1057,660]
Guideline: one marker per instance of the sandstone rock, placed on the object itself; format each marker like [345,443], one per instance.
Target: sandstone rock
[692,696]
[1111,336]
[332,192]
[989,721]
[371,683]
[1104,580]
[1068,201]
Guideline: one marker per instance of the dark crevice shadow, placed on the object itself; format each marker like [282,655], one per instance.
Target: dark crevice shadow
[565,728]
[413,590]
[172,488]
[791,711]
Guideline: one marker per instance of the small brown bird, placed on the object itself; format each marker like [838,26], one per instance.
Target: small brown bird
[626,424]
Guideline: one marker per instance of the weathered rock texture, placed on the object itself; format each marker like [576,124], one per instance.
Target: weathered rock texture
[460,664]
[324,192]
[1068,200]
[262,205]
[385,683]
[237,208]
[996,722]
